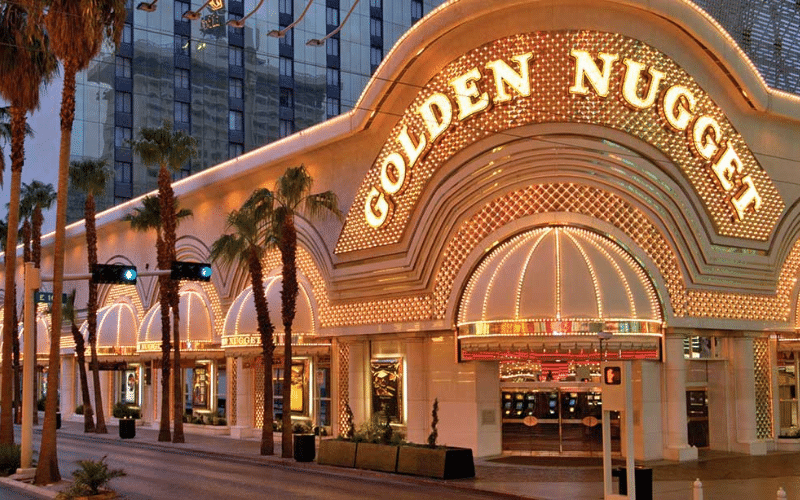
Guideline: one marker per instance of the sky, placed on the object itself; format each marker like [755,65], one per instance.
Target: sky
[41,151]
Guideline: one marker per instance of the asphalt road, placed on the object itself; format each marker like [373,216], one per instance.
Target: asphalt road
[156,474]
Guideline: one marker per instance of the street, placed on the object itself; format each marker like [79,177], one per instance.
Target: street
[156,474]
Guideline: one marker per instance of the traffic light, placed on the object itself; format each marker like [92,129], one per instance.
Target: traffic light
[192,271]
[114,273]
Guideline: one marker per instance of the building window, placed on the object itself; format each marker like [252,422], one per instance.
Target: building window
[122,137]
[332,77]
[378,4]
[123,172]
[332,16]
[286,98]
[286,67]
[181,6]
[375,27]
[235,56]
[332,46]
[181,78]
[375,56]
[183,173]
[235,88]
[182,113]
[235,149]
[123,69]
[288,38]
[333,106]
[285,128]
[235,120]
[285,7]
[416,10]
[123,102]
[182,45]
[127,33]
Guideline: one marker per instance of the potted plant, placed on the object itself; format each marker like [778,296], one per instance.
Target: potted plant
[443,462]
[91,481]
[378,445]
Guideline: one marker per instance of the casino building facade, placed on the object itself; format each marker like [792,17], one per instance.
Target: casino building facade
[531,187]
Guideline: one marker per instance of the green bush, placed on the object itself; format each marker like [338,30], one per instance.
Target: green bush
[219,421]
[121,410]
[301,428]
[378,430]
[79,410]
[40,403]
[9,459]
[89,478]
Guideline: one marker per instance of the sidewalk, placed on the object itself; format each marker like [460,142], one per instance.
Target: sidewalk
[724,475]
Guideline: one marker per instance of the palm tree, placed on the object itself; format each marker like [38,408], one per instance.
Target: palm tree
[144,219]
[25,63]
[80,351]
[77,29]
[90,177]
[246,245]
[291,197]
[169,151]
[37,196]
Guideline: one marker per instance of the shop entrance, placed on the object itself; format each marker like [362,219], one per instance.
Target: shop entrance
[554,419]
[697,417]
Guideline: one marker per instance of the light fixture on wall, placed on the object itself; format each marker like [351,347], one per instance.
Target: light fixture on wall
[194,15]
[239,23]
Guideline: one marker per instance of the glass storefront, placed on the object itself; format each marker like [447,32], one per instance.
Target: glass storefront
[787,394]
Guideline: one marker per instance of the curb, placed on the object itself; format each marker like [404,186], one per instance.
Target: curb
[28,488]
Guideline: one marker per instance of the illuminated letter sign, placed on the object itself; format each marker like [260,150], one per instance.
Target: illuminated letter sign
[596,78]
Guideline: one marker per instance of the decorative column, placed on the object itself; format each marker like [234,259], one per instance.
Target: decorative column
[677,437]
[340,379]
[744,367]
[417,402]
[243,401]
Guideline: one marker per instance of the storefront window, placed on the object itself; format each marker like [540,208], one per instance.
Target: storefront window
[128,384]
[387,388]
[787,394]
[323,378]
[299,403]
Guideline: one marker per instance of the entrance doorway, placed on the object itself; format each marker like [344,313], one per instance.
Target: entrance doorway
[697,417]
[554,419]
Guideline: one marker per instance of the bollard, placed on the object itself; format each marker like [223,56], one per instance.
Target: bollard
[697,490]
[781,493]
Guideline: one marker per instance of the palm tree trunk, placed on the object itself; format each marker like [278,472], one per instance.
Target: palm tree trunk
[177,387]
[47,469]
[80,350]
[17,373]
[288,248]
[266,329]
[17,154]
[164,433]
[91,312]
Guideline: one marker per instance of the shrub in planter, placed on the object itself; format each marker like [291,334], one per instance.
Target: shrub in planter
[301,428]
[79,410]
[121,410]
[9,459]
[89,479]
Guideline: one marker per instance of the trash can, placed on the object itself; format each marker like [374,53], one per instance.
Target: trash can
[304,447]
[642,477]
[127,428]
[58,420]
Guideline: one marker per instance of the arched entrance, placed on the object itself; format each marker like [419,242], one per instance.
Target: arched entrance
[549,304]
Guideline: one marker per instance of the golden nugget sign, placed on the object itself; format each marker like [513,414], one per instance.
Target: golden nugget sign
[586,77]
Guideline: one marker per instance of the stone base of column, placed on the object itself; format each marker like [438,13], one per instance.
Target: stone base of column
[751,448]
[242,432]
[682,454]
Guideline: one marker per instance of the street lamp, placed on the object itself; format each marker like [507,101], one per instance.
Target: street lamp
[282,33]
[194,15]
[147,6]
[239,23]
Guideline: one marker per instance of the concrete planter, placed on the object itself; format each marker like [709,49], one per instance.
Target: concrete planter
[789,444]
[103,495]
[442,463]
[206,430]
[380,457]
[337,452]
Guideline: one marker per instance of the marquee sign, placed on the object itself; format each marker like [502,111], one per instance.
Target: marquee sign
[555,77]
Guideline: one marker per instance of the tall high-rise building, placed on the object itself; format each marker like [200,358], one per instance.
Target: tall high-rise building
[232,89]
[235,89]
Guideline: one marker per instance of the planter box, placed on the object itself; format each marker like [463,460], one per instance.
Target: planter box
[206,430]
[103,495]
[337,452]
[380,457]
[789,444]
[442,463]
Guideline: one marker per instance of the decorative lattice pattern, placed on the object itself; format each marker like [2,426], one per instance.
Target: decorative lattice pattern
[233,381]
[552,71]
[344,387]
[762,377]
[258,400]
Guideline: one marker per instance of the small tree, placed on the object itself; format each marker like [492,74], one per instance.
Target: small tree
[91,476]
[434,421]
